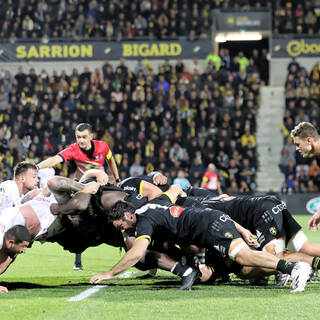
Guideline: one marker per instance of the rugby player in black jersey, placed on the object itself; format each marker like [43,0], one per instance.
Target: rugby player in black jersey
[92,227]
[206,228]
[307,140]
[259,215]
[141,184]
[277,232]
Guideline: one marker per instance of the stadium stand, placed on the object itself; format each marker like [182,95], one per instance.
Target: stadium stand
[192,118]
[84,19]
[302,95]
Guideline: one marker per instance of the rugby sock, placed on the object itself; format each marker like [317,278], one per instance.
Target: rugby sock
[285,266]
[181,270]
[315,263]
[77,261]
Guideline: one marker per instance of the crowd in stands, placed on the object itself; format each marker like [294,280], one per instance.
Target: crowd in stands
[116,20]
[302,90]
[173,119]
[296,17]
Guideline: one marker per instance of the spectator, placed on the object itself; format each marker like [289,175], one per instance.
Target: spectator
[247,137]
[182,180]
[136,169]
[213,60]
[196,123]
[210,179]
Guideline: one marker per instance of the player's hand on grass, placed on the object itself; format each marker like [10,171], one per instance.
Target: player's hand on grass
[160,179]
[101,276]
[3,289]
[91,187]
[313,223]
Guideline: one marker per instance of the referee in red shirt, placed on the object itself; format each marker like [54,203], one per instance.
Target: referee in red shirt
[87,154]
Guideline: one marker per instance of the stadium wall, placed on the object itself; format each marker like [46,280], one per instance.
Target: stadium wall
[301,203]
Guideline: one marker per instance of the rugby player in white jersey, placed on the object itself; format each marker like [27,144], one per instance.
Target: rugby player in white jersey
[25,178]
[35,214]
[13,242]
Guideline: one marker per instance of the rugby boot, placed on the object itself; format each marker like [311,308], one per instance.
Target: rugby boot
[300,275]
[189,277]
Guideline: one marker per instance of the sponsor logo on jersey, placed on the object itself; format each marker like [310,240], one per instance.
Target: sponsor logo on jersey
[228,235]
[99,156]
[176,211]
[41,199]
[260,237]
[224,218]
[313,205]
[273,231]
[216,226]
[130,188]
[220,249]
[267,216]
[279,207]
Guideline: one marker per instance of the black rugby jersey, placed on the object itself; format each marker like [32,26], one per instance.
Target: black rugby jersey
[134,184]
[245,210]
[161,220]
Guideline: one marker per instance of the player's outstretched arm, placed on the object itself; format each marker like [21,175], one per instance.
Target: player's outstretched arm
[59,184]
[158,178]
[174,191]
[30,195]
[78,203]
[150,191]
[101,177]
[50,162]
[114,169]
[132,256]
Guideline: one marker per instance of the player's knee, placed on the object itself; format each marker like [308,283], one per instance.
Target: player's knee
[237,250]
[275,247]
[299,243]
[308,248]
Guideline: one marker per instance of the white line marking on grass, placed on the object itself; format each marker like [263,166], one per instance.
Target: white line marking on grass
[89,292]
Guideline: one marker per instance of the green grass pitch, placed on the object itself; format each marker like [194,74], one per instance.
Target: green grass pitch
[42,281]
